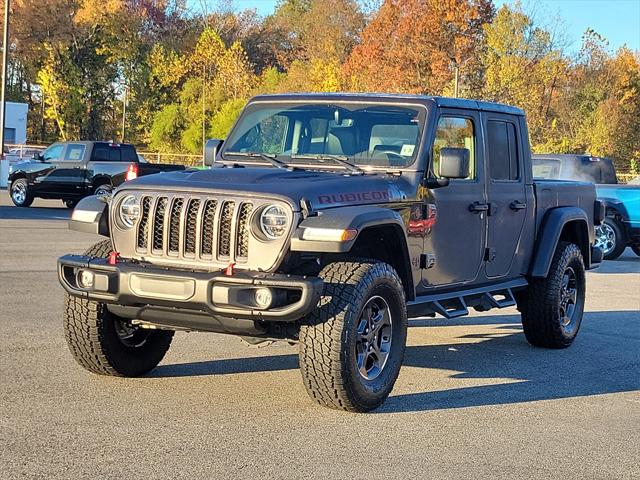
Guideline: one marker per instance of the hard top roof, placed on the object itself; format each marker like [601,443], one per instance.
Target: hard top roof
[444,102]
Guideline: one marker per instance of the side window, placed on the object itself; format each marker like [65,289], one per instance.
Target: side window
[53,153]
[503,150]
[100,153]
[455,132]
[74,153]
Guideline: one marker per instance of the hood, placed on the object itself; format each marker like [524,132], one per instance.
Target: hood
[323,189]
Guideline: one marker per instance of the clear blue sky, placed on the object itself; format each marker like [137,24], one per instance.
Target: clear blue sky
[616,20]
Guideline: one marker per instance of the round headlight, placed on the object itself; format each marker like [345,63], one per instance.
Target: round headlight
[273,222]
[129,211]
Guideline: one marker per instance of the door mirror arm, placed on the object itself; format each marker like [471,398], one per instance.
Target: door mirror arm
[432,182]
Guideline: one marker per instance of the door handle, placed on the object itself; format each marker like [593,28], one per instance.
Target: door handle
[517,205]
[477,207]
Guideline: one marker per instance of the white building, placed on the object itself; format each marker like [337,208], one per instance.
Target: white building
[15,133]
[15,126]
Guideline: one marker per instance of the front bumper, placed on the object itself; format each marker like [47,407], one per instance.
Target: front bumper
[176,292]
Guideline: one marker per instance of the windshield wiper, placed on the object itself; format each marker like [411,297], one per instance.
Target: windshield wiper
[272,159]
[339,159]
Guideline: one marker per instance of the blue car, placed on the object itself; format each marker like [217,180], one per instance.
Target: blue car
[621,227]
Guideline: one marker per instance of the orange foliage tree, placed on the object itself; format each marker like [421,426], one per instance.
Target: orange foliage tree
[414,45]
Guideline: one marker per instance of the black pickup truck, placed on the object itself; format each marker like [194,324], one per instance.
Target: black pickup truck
[72,170]
[329,220]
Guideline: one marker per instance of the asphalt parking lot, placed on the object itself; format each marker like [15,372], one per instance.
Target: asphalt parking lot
[473,400]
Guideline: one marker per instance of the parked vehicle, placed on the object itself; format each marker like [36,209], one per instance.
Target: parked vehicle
[72,170]
[328,220]
[621,226]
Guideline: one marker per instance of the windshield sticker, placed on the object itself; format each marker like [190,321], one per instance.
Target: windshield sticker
[407,150]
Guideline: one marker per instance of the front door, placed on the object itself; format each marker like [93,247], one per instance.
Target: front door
[454,247]
[68,177]
[506,192]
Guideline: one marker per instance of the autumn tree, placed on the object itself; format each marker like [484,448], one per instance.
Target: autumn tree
[523,67]
[413,46]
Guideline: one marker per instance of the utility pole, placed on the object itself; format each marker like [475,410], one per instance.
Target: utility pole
[204,111]
[124,112]
[455,84]
[4,169]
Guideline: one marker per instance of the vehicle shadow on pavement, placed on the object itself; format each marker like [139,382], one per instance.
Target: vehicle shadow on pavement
[34,213]
[599,362]
[626,264]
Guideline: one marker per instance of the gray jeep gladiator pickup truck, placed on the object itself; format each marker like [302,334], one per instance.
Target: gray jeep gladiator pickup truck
[329,220]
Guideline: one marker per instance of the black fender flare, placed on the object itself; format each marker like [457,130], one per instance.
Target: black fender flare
[91,215]
[357,218]
[16,174]
[100,180]
[616,205]
[547,239]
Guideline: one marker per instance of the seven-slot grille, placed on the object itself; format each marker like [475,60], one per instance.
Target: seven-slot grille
[214,229]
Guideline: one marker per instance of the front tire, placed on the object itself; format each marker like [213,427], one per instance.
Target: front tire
[70,203]
[610,237]
[352,345]
[21,194]
[552,307]
[106,344]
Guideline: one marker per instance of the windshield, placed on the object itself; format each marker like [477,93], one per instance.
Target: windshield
[372,135]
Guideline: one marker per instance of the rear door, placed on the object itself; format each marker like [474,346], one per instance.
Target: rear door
[505,192]
[455,243]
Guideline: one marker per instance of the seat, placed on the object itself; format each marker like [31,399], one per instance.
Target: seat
[342,141]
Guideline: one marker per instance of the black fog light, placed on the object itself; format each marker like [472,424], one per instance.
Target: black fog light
[86,279]
[263,297]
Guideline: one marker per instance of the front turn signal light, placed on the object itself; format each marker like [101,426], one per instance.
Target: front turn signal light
[329,234]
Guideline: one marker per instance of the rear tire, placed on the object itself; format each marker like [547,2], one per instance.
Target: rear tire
[352,345]
[103,189]
[20,193]
[106,344]
[636,249]
[552,307]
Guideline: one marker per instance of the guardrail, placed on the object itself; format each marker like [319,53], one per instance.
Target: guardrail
[626,177]
[186,159]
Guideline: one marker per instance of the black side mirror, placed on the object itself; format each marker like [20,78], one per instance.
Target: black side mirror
[211,149]
[454,163]
[37,156]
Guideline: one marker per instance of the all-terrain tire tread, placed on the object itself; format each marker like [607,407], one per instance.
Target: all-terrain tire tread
[321,357]
[84,327]
[539,306]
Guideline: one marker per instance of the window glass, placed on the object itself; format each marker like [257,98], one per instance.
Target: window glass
[128,153]
[363,134]
[53,153]
[100,153]
[546,168]
[503,150]
[114,154]
[74,153]
[455,132]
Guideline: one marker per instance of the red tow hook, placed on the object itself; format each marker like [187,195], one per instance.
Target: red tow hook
[113,258]
[229,270]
